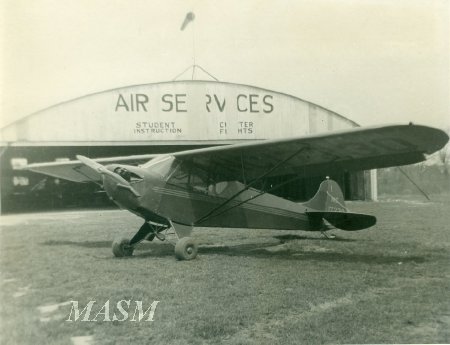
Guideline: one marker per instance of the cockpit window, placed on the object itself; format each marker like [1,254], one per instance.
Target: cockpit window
[127,175]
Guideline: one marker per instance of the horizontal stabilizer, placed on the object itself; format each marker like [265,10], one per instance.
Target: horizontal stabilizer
[349,221]
[345,220]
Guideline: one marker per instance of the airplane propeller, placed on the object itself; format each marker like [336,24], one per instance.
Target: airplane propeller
[101,169]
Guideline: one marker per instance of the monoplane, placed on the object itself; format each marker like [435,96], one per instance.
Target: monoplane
[226,186]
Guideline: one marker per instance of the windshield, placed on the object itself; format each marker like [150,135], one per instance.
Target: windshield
[161,165]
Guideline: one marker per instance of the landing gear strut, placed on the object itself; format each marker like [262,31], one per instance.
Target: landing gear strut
[148,231]
[325,235]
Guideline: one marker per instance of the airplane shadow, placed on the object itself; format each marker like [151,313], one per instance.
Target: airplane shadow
[261,251]
[256,250]
[290,237]
[85,244]
[143,249]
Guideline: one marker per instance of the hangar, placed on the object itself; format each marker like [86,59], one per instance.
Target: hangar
[157,118]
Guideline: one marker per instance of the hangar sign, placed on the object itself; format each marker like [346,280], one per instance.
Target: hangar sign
[244,103]
[200,111]
[179,103]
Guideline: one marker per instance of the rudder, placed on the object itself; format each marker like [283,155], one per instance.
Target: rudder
[329,204]
[329,198]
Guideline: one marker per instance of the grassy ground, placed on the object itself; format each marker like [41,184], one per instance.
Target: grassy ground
[389,284]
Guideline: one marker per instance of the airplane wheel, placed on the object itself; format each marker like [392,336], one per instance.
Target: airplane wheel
[186,249]
[121,247]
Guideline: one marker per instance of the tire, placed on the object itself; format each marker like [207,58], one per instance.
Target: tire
[121,247]
[186,249]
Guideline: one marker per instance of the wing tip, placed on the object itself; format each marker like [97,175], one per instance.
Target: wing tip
[435,138]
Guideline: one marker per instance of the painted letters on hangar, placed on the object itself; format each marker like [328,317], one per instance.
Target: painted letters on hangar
[180,110]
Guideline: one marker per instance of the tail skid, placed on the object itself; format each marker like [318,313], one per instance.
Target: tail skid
[329,204]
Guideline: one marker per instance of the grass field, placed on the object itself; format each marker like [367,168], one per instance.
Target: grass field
[388,284]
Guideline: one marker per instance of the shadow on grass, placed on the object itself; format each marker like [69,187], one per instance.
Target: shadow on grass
[257,250]
[153,249]
[108,244]
[289,237]
[85,244]
[298,255]
[262,250]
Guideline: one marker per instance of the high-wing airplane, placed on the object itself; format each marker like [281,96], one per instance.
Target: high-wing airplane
[217,186]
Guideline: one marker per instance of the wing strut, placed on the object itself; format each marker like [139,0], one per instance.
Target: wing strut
[415,184]
[248,186]
[243,170]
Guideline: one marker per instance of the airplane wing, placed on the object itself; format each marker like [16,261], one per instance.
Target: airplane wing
[321,154]
[77,171]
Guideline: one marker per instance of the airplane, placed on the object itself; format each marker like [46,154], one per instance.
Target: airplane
[226,186]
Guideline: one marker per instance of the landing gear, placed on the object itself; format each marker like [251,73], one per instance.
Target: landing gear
[186,249]
[121,247]
[148,231]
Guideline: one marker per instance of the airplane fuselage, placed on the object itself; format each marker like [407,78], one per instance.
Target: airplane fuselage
[153,196]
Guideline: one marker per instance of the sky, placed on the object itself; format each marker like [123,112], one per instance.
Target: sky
[373,61]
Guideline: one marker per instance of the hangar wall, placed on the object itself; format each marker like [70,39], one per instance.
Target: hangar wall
[161,117]
[176,111]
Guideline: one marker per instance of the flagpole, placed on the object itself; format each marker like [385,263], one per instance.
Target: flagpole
[193,48]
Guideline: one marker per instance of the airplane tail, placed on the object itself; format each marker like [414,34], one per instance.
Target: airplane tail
[329,204]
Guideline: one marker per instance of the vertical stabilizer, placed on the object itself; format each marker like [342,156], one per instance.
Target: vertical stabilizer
[329,198]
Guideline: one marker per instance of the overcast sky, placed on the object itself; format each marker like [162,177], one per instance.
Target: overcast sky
[372,61]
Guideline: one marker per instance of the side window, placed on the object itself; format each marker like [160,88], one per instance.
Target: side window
[17,163]
[20,181]
[199,180]
[190,177]
[217,188]
[17,180]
